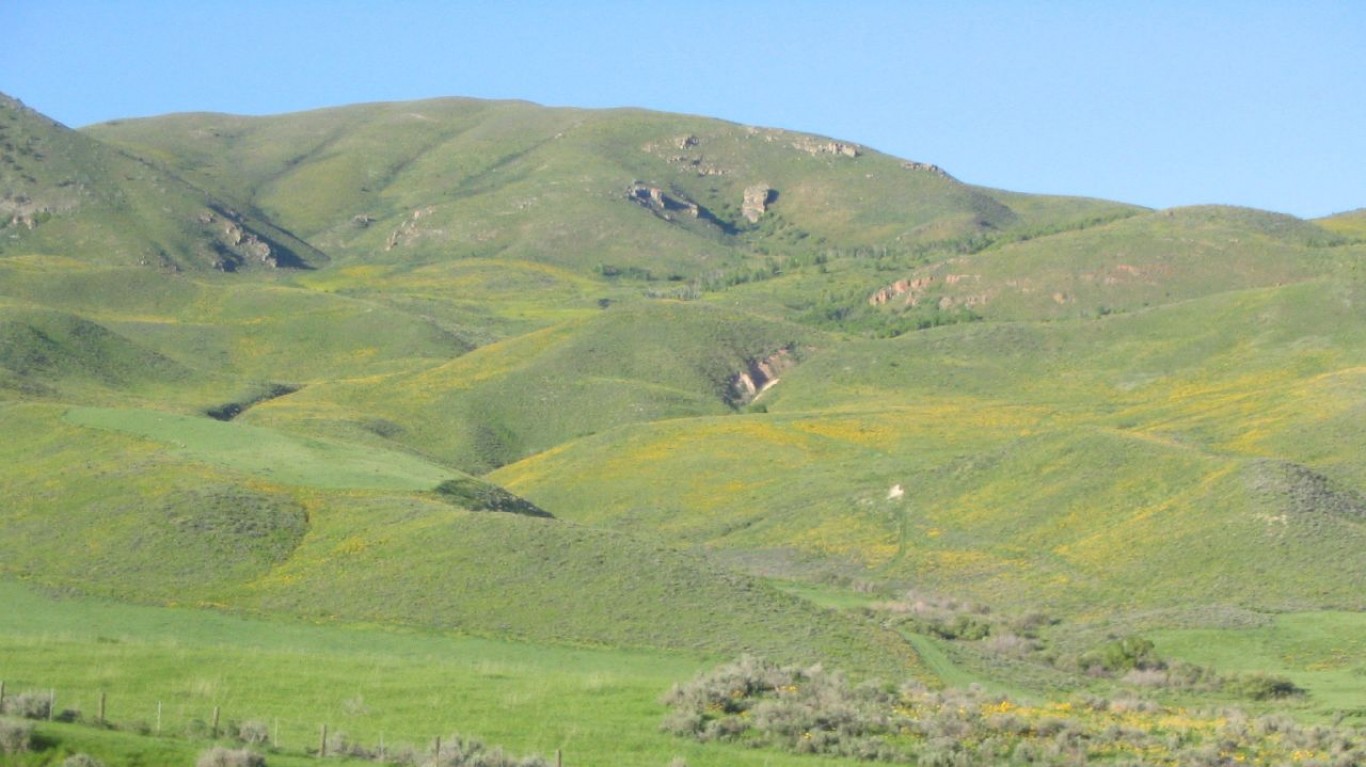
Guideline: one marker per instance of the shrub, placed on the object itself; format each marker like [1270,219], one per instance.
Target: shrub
[219,756]
[15,736]
[1123,655]
[1011,645]
[1262,687]
[28,705]
[477,495]
[340,744]
[252,732]
[468,752]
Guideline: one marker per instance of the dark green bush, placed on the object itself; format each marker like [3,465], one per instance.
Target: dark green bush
[1123,655]
[477,495]
[1262,687]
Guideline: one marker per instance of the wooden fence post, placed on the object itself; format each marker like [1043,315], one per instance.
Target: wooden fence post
[51,703]
[559,758]
[158,717]
[102,702]
[214,729]
[2,695]
[322,743]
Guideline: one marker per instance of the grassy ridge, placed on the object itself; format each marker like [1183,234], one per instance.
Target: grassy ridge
[66,193]
[459,177]
[1139,261]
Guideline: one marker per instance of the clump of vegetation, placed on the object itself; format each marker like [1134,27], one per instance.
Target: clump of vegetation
[218,756]
[16,736]
[942,617]
[454,751]
[1130,659]
[477,495]
[252,732]
[758,703]
[28,705]
[457,751]
[81,760]
[1122,655]
[1262,686]
[256,395]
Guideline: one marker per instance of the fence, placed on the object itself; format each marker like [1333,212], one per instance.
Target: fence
[280,734]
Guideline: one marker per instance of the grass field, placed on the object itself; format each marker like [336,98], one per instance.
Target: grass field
[269,454]
[596,705]
[1324,652]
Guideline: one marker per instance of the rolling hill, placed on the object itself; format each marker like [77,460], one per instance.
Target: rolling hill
[312,366]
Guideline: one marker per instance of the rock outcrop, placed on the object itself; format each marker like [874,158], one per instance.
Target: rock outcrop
[236,246]
[913,291]
[662,203]
[407,231]
[691,158]
[925,167]
[758,376]
[756,200]
[817,146]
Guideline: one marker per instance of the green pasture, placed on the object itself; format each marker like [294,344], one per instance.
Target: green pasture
[597,705]
[1323,652]
[269,454]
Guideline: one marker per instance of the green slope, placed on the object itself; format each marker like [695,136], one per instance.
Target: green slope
[171,509]
[442,178]
[46,352]
[1140,261]
[887,377]
[1064,464]
[61,192]
[504,401]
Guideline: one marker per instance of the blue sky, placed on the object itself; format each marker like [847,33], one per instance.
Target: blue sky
[1158,103]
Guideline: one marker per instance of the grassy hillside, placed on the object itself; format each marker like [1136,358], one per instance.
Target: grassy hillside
[61,192]
[622,379]
[504,401]
[159,508]
[1351,224]
[1140,261]
[1062,464]
[425,180]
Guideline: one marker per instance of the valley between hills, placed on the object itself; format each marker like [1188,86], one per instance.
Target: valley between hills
[653,439]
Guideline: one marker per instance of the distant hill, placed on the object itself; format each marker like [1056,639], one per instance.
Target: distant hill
[622,189]
[1349,224]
